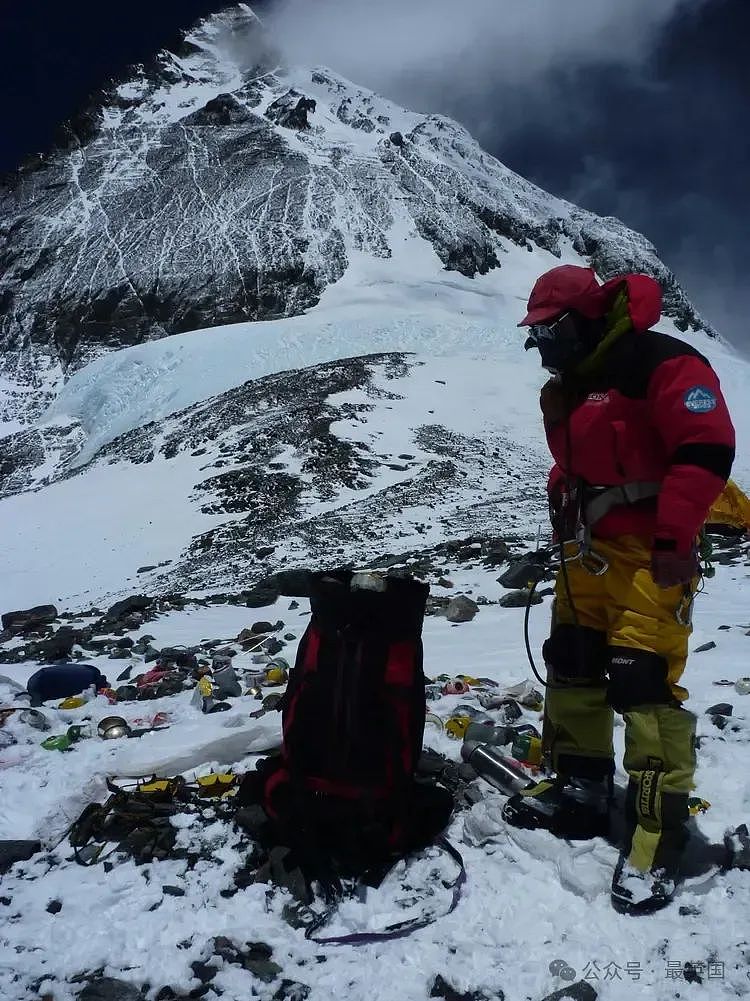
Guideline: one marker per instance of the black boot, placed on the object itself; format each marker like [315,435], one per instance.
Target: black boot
[572,808]
[635,892]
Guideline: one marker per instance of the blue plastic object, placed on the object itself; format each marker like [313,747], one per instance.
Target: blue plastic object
[58,681]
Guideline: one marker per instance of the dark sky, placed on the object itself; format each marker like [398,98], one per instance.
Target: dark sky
[663,142]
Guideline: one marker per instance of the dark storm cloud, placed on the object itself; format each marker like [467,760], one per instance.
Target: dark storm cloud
[417,49]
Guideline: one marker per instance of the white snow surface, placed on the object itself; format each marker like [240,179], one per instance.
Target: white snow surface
[529,899]
[80,540]
[404,303]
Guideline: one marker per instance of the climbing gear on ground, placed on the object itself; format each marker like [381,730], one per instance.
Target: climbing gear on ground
[167,788]
[570,808]
[499,770]
[639,892]
[217,784]
[136,821]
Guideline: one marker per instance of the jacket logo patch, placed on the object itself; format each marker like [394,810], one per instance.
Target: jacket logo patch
[598,397]
[700,400]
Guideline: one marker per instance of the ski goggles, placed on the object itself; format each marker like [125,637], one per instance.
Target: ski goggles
[541,332]
[559,343]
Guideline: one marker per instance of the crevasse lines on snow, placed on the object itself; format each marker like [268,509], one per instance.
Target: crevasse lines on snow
[78,230]
[96,196]
[214,214]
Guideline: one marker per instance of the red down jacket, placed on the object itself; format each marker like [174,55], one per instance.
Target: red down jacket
[653,411]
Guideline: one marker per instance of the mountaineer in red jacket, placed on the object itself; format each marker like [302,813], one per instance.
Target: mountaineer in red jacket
[643,445]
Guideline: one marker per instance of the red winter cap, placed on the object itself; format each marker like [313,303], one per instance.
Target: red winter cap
[566,287]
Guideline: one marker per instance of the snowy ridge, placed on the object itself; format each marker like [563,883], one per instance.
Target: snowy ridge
[331,461]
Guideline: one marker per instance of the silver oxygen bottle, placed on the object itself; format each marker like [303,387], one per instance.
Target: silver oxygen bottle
[500,771]
[481,733]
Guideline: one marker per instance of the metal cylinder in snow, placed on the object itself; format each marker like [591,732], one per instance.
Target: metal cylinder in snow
[501,772]
[482,733]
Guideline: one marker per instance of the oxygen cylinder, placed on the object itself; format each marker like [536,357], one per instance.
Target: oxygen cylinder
[501,772]
[482,733]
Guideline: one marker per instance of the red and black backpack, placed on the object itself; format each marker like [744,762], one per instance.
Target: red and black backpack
[353,720]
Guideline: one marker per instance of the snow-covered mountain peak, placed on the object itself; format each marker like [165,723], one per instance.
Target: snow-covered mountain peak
[225,250]
[215,185]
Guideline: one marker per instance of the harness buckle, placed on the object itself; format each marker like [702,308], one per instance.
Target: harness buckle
[591,561]
[594,563]
[684,611]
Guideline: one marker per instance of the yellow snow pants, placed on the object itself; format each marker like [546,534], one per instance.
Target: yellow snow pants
[619,643]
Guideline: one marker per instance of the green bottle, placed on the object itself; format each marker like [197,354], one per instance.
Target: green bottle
[61,742]
[78,731]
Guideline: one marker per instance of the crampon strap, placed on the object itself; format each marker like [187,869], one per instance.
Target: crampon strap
[403,928]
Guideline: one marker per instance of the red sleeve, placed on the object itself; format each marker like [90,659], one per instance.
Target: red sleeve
[690,415]
[554,481]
